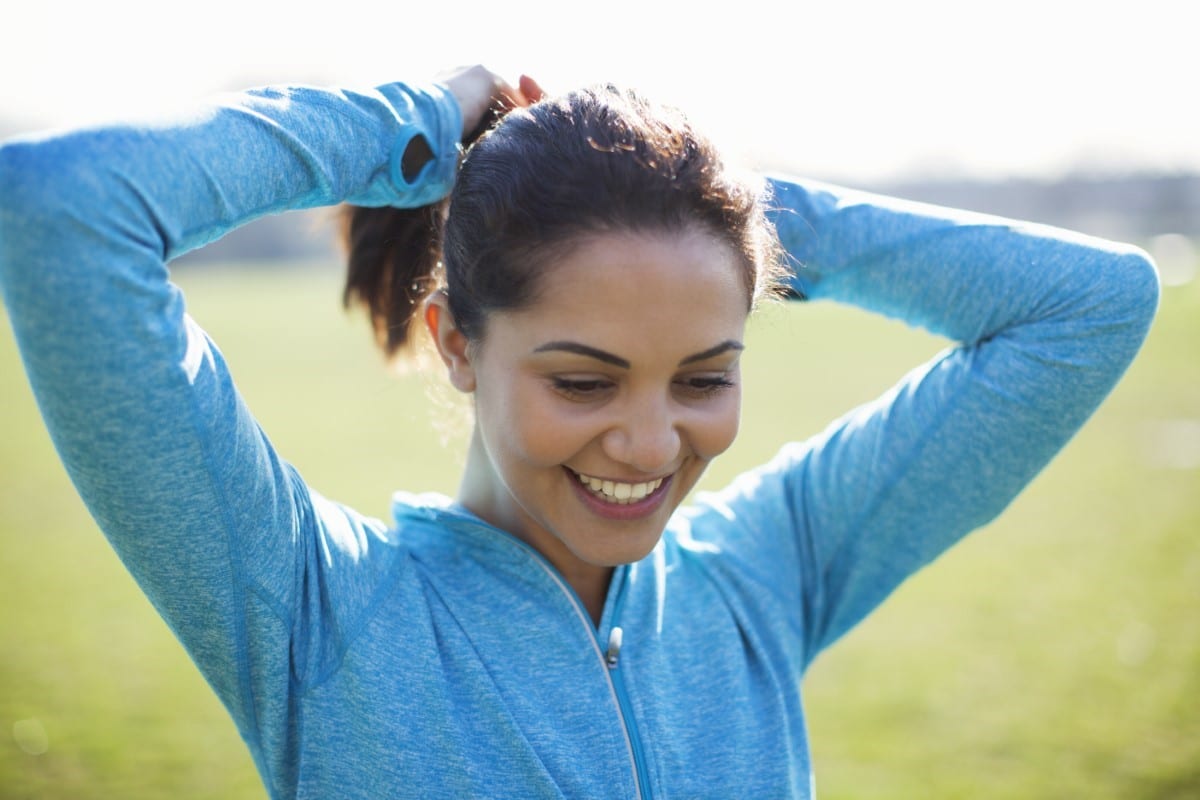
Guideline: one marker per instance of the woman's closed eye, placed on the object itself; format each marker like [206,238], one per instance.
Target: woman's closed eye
[581,388]
[706,385]
[694,386]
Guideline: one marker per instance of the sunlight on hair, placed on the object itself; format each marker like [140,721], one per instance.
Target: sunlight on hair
[452,417]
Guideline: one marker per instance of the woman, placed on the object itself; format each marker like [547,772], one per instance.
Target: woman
[563,627]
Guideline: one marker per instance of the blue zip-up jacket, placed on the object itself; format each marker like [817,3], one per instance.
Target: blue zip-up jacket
[441,657]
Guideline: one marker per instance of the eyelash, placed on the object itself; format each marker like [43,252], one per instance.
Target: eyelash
[580,389]
[709,385]
[592,388]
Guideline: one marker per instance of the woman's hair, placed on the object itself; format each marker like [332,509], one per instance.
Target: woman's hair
[594,161]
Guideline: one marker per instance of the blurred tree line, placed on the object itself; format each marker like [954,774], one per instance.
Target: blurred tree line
[1133,207]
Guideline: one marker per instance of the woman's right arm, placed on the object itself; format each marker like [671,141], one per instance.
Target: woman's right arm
[215,527]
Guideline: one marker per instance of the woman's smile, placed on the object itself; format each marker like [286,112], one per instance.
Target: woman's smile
[618,491]
[619,500]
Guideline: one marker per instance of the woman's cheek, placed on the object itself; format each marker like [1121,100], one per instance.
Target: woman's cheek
[721,428]
[545,434]
[726,426]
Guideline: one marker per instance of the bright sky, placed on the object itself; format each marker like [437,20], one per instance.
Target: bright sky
[840,89]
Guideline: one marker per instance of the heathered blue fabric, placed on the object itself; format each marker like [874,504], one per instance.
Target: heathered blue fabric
[440,657]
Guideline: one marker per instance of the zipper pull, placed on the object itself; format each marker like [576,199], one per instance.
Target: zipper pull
[614,648]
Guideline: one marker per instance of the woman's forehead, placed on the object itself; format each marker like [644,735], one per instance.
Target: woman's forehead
[637,292]
[674,260]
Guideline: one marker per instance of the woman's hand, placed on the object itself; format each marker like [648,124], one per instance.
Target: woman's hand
[479,90]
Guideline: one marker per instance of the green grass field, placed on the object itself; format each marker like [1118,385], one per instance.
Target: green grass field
[1054,654]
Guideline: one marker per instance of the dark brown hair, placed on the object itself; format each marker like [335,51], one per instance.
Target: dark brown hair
[592,161]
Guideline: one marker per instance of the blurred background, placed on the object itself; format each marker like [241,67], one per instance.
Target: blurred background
[1054,654]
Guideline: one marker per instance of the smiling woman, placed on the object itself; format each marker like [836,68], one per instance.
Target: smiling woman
[602,404]
[565,626]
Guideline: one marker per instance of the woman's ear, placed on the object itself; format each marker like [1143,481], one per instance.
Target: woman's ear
[451,343]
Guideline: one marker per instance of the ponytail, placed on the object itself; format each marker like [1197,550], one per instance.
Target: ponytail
[392,255]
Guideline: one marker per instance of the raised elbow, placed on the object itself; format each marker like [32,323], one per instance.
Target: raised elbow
[39,180]
[22,179]
[1137,288]
[21,193]
[53,208]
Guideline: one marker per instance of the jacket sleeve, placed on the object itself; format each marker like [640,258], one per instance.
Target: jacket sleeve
[1045,322]
[220,533]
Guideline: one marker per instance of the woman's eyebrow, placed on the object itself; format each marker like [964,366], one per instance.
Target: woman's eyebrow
[608,358]
[728,344]
[584,350]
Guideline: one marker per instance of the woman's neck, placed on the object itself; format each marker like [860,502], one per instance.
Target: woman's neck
[482,493]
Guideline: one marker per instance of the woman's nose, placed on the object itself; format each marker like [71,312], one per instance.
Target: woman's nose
[647,439]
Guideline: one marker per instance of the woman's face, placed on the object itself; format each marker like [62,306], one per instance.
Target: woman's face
[599,406]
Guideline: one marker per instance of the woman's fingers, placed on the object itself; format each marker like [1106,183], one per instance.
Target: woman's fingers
[472,87]
[479,90]
[531,89]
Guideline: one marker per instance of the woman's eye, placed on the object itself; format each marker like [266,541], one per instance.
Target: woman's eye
[581,387]
[705,385]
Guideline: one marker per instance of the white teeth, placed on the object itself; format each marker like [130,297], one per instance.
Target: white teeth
[619,493]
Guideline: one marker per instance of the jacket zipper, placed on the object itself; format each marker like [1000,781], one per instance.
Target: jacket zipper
[609,660]
[612,661]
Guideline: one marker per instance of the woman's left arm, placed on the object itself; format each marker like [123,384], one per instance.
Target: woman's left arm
[1046,322]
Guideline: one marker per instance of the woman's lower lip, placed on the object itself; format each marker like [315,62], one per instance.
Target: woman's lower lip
[642,508]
